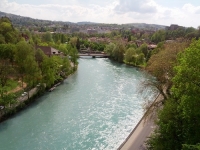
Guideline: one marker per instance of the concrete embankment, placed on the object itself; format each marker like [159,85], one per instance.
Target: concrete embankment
[144,128]
[20,103]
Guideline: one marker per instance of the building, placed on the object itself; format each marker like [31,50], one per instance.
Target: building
[173,27]
[49,51]
[92,31]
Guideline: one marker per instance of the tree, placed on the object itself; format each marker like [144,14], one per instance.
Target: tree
[191,147]
[78,44]
[179,120]
[129,38]
[48,72]
[2,39]
[118,52]
[23,50]
[139,59]
[145,51]
[7,32]
[73,54]
[129,55]
[186,90]
[7,99]
[158,36]
[160,66]
[6,65]
[73,41]
[63,48]
[168,134]
[47,37]
[66,67]
[39,57]
[109,49]
[32,72]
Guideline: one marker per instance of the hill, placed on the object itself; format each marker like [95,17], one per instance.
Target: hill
[19,21]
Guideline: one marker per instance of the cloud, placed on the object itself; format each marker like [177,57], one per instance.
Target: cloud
[142,6]
[58,12]
[108,11]
[189,8]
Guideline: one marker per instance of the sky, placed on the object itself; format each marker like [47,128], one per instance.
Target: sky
[163,12]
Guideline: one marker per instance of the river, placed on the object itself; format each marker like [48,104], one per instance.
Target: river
[94,109]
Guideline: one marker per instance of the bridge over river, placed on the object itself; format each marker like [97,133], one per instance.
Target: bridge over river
[94,55]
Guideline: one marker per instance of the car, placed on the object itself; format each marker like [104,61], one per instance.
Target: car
[25,93]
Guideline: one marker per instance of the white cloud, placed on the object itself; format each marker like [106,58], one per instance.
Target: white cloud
[142,6]
[189,8]
[108,11]
[58,12]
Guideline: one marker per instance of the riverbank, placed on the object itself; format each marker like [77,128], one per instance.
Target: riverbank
[29,97]
[21,102]
[89,110]
[138,136]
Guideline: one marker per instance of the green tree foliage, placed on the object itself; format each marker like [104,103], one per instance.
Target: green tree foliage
[7,99]
[32,72]
[2,39]
[139,59]
[129,55]
[23,51]
[36,39]
[131,45]
[7,33]
[129,38]
[158,36]
[86,43]
[73,41]
[179,120]
[145,51]
[118,52]
[47,37]
[50,66]
[7,52]
[6,63]
[78,44]
[73,54]
[39,56]
[109,49]
[168,134]
[186,90]
[22,62]
[59,38]
[65,67]
[191,147]
[161,65]
[190,30]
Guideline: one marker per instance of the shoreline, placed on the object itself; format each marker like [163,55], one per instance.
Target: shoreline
[24,101]
[136,139]
[131,133]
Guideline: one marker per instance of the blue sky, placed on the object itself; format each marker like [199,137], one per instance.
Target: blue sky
[163,12]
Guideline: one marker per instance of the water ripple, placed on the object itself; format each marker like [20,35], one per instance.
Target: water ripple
[95,109]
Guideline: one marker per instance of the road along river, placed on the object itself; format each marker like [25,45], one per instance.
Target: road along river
[94,109]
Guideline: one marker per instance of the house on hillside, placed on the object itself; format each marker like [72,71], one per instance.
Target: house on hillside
[92,31]
[49,51]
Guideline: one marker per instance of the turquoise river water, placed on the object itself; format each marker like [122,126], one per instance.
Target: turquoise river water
[94,109]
